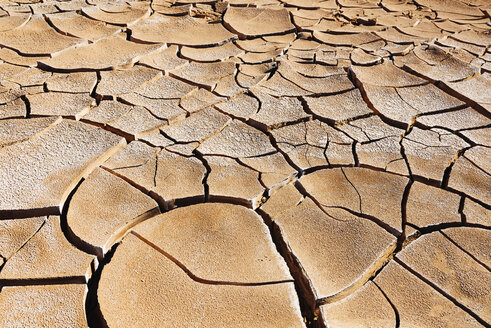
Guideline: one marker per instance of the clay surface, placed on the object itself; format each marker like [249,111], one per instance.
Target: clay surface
[245,163]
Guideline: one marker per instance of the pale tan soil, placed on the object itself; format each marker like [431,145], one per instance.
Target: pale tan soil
[250,163]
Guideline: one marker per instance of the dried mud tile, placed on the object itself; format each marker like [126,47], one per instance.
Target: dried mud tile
[472,49]
[282,39]
[106,112]
[476,213]
[260,57]
[257,21]
[74,82]
[165,59]
[8,70]
[13,9]
[346,40]
[303,44]
[11,57]
[474,241]
[282,200]
[134,155]
[481,136]
[118,82]
[448,70]
[449,26]
[425,29]
[183,149]
[37,38]
[228,87]
[61,156]
[354,190]
[305,4]
[247,82]
[428,98]
[418,303]
[452,270]
[392,34]
[14,233]
[209,240]
[358,4]
[275,170]
[256,69]
[72,5]
[279,86]
[314,143]
[166,8]
[339,107]
[242,106]
[385,75]
[355,310]
[8,94]
[427,206]
[206,75]
[257,45]
[197,127]
[237,140]
[104,207]
[389,103]
[276,112]
[474,89]
[124,18]
[178,177]
[199,99]
[73,24]
[360,57]
[186,31]
[370,129]
[398,49]
[112,52]
[30,77]
[19,130]
[165,88]
[430,152]
[384,154]
[13,109]
[165,109]
[211,54]
[43,8]
[60,104]
[451,6]
[431,54]
[199,304]
[469,36]
[47,255]
[328,248]
[315,70]
[229,179]
[11,22]
[396,6]
[466,118]
[329,84]
[137,122]
[43,306]
[470,174]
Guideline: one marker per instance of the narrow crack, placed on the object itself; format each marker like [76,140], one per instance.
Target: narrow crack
[442,292]
[199,279]
[392,305]
[21,246]
[303,285]
[481,263]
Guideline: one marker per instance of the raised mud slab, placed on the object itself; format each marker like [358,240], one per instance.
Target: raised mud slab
[245,163]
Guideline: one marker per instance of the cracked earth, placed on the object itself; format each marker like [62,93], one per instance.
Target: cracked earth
[268,163]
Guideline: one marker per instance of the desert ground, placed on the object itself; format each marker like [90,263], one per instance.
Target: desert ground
[245,163]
